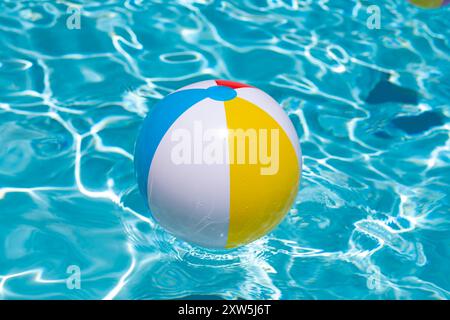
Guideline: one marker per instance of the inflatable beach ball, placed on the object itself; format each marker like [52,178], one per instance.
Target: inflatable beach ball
[219,163]
[430,3]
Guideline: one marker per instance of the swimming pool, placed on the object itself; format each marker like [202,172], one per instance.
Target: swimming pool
[367,89]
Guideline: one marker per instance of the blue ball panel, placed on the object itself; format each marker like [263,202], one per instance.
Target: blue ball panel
[155,126]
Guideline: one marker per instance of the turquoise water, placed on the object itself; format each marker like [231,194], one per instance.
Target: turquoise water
[371,220]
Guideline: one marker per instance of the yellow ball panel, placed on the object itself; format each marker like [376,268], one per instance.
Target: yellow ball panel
[259,196]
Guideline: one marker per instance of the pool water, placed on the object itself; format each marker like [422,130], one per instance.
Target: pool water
[371,107]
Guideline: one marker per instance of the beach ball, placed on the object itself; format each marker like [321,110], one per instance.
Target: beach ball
[218,163]
[430,3]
